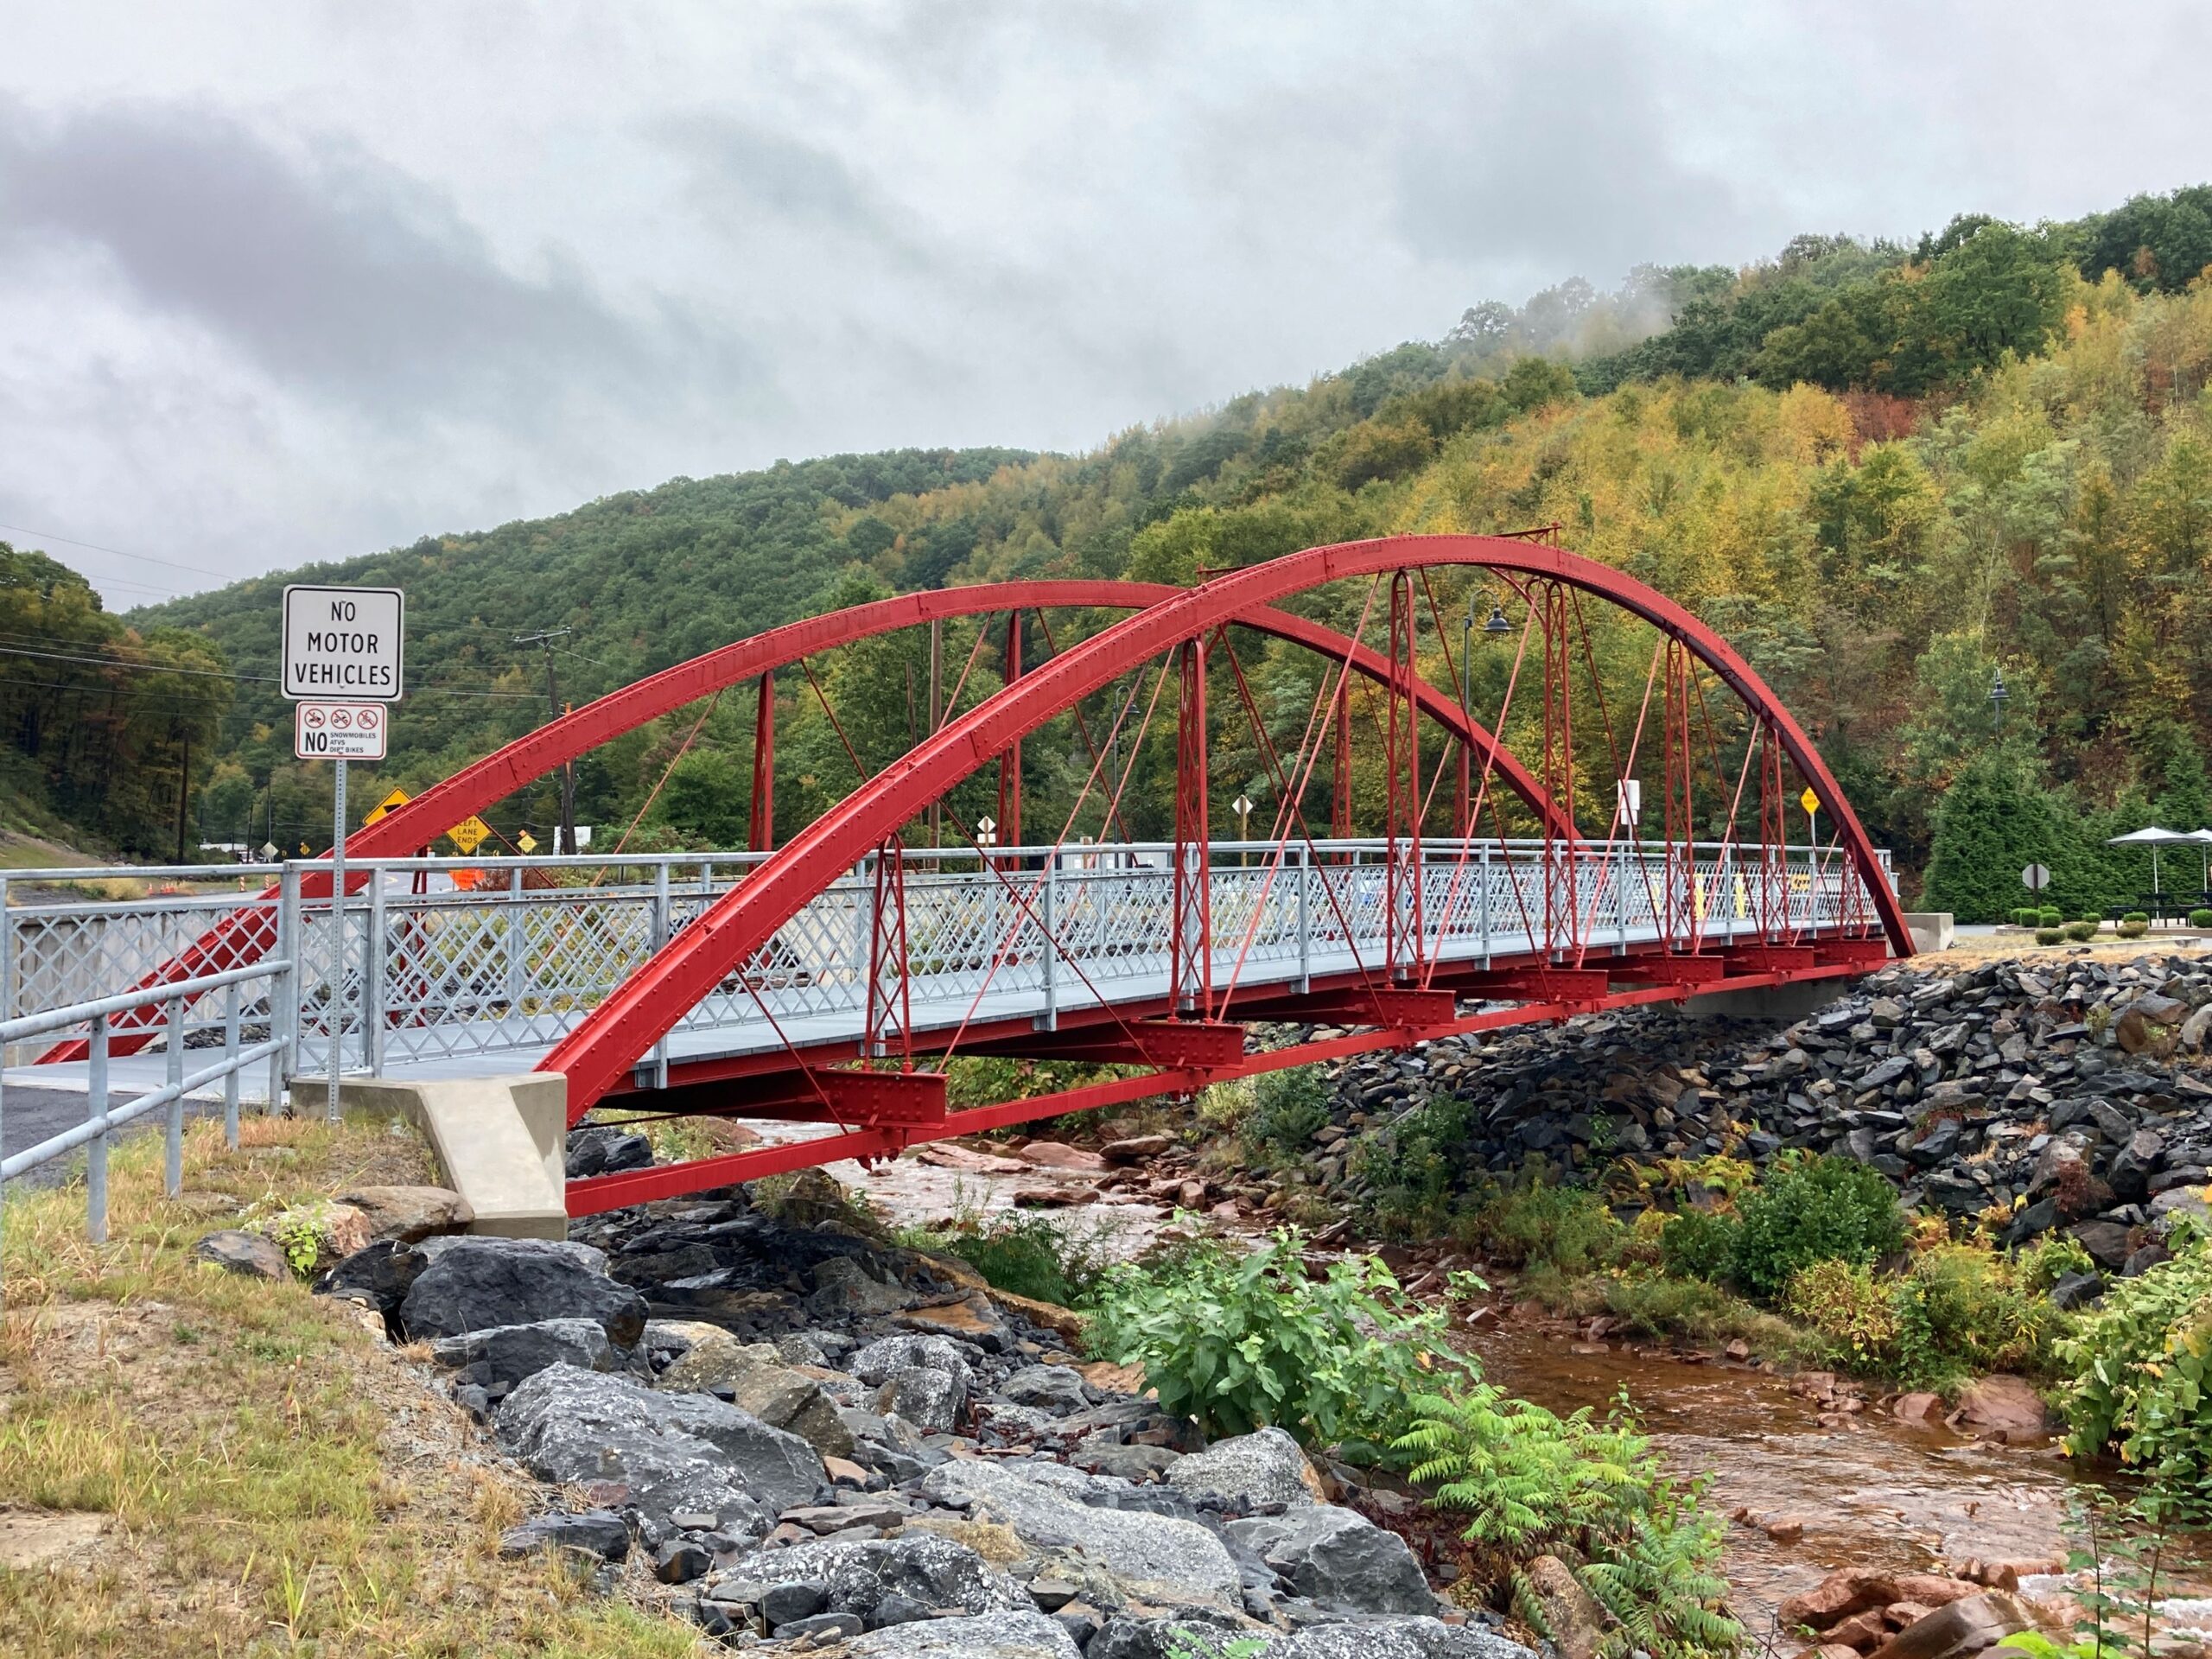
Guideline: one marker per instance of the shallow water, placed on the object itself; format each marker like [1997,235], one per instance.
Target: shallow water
[1881,1496]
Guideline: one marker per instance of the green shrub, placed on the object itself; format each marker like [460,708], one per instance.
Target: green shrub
[1032,1257]
[1243,1339]
[1411,1169]
[1537,1484]
[2139,1365]
[2051,916]
[1698,1244]
[2133,930]
[1287,1107]
[1856,1317]
[2050,936]
[2200,919]
[1544,1224]
[1963,1309]
[2080,933]
[2137,916]
[1827,1208]
[2094,917]
[2026,916]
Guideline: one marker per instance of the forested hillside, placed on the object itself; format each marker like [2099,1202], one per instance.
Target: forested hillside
[1881,470]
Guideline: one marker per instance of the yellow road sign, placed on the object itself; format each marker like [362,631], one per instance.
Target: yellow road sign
[399,798]
[469,833]
[527,842]
[1809,801]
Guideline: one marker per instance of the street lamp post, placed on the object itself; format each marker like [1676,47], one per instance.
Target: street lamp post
[1997,697]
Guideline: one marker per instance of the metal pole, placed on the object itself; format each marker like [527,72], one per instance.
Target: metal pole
[1048,921]
[1304,921]
[96,1155]
[660,939]
[373,968]
[337,1000]
[173,1155]
[231,1078]
[284,991]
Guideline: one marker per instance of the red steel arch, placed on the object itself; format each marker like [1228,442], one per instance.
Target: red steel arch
[499,774]
[594,1056]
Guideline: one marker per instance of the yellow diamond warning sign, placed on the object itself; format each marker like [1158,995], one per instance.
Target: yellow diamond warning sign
[469,833]
[398,798]
[527,842]
[1809,801]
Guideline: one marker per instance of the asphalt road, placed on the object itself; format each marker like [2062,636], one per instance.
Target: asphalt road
[30,1116]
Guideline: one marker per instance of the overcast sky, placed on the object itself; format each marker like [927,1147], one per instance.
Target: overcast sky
[288,282]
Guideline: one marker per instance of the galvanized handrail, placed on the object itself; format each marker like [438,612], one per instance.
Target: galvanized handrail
[101,1121]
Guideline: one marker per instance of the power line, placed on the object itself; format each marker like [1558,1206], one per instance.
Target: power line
[143,667]
[71,540]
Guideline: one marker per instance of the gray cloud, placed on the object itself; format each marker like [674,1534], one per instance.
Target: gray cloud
[287,285]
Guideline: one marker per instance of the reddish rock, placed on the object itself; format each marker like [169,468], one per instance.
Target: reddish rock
[1050,1197]
[1861,1632]
[2004,1404]
[1931,1590]
[1967,1626]
[1836,1597]
[1921,1408]
[1135,1149]
[946,1154]
[1829,1650]
[1572,1617]
[844,1472]
[1054,1154]
[1739,1350]
[1783,1529]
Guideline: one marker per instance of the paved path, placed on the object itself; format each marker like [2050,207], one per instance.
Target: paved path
[32,1115]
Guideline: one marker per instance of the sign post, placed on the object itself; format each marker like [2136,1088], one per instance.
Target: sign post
[341,642]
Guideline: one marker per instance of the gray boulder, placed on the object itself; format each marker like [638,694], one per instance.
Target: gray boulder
[1249,1472]
[992,1635]
[597,1532]
[930,1400]
[880,1361]
[602,1149]
[512,1353]
[759,1381]
[1395,1638]
[866,1575]
[247,1254]
[1056,1389]
[380,1276]
[1338,1558]
[1155,1558]
[473,1283]
[670,1452]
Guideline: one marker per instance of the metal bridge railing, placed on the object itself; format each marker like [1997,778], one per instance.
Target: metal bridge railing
[509,962]
[93,1019]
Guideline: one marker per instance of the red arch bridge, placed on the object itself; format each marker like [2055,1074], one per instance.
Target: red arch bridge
[1610,826]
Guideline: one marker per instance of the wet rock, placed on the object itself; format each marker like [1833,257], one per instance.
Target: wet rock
[601,1149]
[1338,1558]
[1136,1149]
[1249,1472]
[2003,1405]
[669,1451]
[1967,1626]
[1158,1558]
[1835,1598]
[1053,1155]
[2106,1242]
[1920,1408]
[1571,1615]
[248,1254]
[988,1636]
[473,1283]
[2077,1290]
[402,1215]
[508,1353]
[598,1532]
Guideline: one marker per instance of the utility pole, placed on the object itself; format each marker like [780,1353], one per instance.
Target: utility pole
[183,791]
[543,641]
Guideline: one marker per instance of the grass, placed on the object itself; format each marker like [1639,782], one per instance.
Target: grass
[273,1479]
[1653,1306]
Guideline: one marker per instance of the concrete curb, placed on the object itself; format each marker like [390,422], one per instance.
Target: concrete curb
[501,1142]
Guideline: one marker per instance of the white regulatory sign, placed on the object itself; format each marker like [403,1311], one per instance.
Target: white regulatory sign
[343,642]
[340,731]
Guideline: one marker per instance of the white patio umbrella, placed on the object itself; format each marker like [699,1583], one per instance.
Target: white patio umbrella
[2153,837]
[2204,840]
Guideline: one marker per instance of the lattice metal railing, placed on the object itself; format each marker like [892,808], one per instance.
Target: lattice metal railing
[429,974]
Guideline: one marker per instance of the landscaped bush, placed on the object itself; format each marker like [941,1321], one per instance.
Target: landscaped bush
[2131,930]
[1243,1339]
[2051,916]
[2028,916]
[1287,1107]
[2050,936]
[2080,933]
[2139,1366]
[2200,919]
[2137,916]
[2094,917]
[1698,1244]
[1825,1210]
